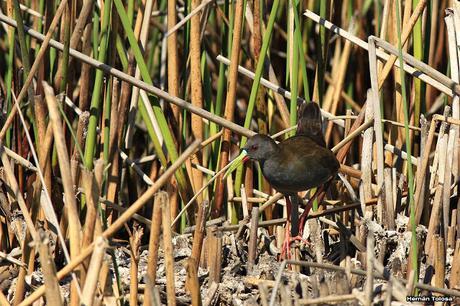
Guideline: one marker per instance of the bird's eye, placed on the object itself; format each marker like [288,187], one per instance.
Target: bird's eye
[254,147]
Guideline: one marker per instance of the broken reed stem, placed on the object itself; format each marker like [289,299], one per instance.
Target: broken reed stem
[214,260]
[389,219]
[277,282]
[118,223]
[380,273]
[328,299]
[252,244]
[454,281]
[369,288]
[135,242]
[366,159]
[437,208]
[192,282]
[136,217]
[66,176]
[440,262]
[168,250]
[426,154]
[91,197]
[374,98]
[272,200]
[154,244]
[94,269]
[53,293]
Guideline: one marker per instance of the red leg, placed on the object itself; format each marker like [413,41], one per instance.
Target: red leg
[319,194]
[285,252]
[306,211]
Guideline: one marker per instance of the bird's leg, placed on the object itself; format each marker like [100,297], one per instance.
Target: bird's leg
[319,194]
[294,214]
[292,226]
[285,252]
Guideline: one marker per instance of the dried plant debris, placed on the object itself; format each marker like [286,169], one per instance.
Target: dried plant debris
[122,122]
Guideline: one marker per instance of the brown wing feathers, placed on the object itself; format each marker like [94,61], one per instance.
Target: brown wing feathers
[310,123]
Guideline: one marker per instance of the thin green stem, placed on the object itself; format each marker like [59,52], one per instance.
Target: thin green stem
[408,148]
[98,85]
[256,83]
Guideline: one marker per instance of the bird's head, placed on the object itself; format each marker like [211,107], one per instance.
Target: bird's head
[260,147]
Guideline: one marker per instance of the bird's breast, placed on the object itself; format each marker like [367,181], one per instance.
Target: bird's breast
[294,175]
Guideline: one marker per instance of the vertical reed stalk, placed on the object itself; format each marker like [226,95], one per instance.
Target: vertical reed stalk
[196,91]
[53,293]
[91,139]
[154,242]
[414,255]
[64,167]
[229,106]
[168,252]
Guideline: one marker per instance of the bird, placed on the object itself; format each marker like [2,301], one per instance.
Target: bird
[296,164]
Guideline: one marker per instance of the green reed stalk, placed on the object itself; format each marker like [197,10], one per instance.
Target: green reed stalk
[256,83]
[98,85]
[95,34]
[295,74]
[9,80]
[408,148]
[41,10]
[301,54]
[419,86]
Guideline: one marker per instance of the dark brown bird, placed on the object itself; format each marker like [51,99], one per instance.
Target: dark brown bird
[298,163]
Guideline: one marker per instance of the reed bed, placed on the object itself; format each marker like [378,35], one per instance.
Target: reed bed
[119,118]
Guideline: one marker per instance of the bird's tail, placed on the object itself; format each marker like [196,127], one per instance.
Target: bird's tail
[309,122]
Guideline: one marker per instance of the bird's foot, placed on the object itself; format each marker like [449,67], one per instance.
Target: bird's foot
[286,248]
